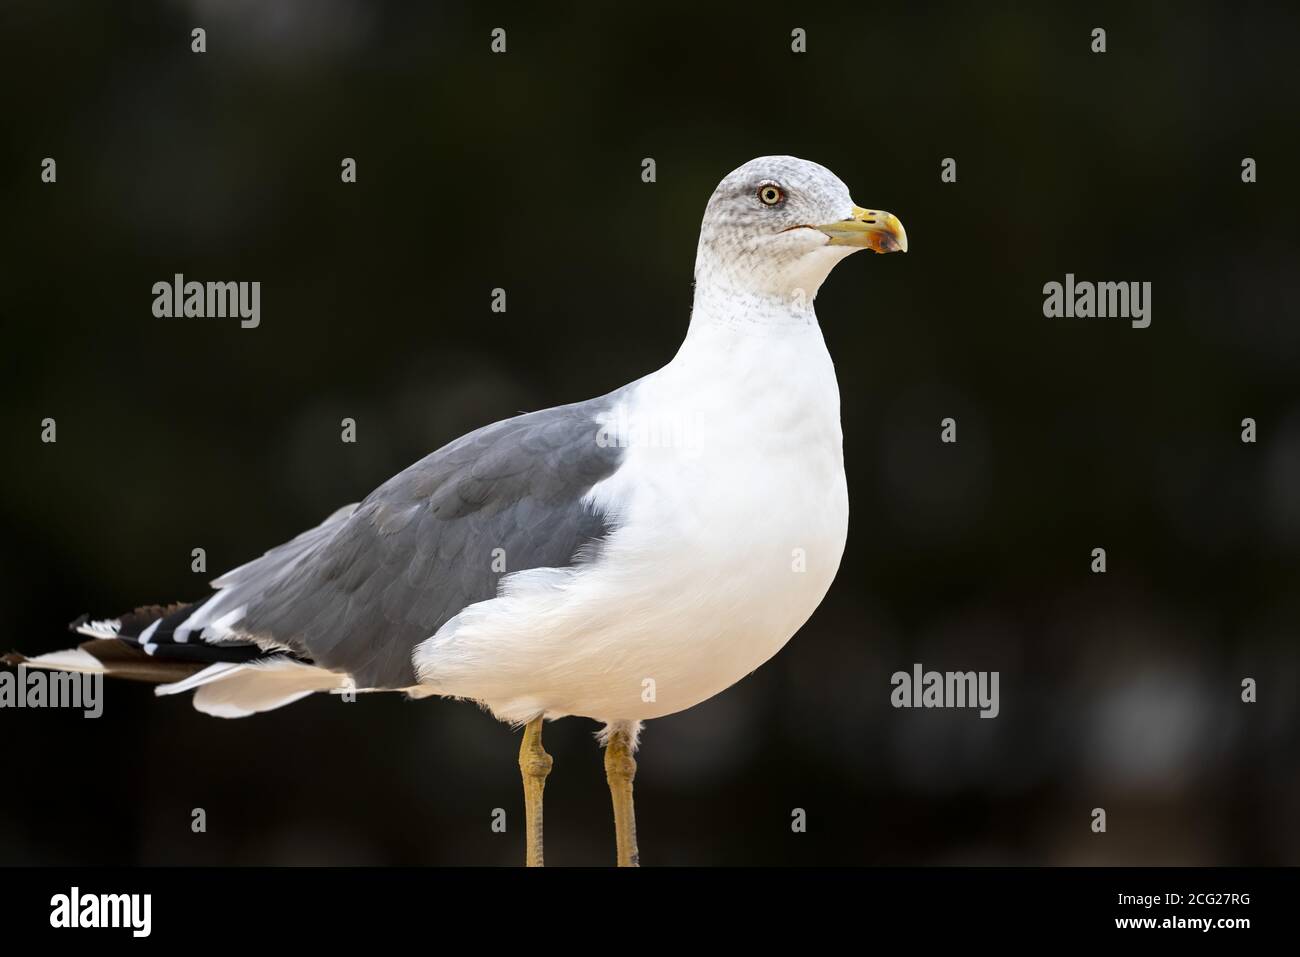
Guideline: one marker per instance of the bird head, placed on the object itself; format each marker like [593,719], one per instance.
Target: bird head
[776,227]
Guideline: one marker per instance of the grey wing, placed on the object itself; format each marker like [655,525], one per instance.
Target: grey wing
[359,592]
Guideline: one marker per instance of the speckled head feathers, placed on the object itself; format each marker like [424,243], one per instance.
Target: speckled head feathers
[776,226]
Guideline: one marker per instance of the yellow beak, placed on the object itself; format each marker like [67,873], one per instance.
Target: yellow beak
[871,228]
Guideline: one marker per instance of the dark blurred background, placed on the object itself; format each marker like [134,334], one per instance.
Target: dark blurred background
[522,171]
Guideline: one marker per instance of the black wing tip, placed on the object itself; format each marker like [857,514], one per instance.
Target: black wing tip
[78,622]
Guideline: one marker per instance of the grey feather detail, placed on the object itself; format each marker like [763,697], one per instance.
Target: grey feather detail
[360,591]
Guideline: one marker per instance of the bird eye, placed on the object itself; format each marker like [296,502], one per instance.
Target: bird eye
[769,194]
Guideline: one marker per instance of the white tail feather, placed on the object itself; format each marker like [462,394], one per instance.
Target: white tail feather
[228,690]
[106,628]
[72,659]
[210,673]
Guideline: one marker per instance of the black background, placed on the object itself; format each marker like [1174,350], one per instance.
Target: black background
[523,171]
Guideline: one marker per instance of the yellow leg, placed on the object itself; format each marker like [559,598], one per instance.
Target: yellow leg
[535,765]
[620,769]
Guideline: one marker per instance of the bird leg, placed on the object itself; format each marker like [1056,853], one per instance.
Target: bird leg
[620,769]
[535,765]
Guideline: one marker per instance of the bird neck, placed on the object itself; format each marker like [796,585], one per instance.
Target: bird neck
[742,332]
[738,371]
[742,310]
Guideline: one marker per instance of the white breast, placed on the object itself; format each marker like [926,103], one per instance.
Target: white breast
[731,512]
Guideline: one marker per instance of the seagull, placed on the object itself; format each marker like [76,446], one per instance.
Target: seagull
[619,559]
